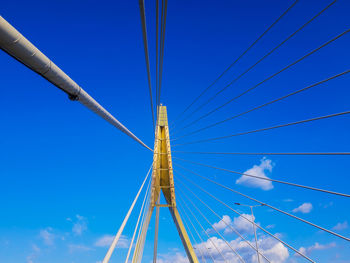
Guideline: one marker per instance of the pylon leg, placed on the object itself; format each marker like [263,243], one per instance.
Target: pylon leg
[183,235]
[156,234]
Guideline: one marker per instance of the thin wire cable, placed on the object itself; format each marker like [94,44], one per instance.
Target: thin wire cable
[145,45]
[140,236]
[266,129]
[120,231]
[189,219]
[143,216]
[160,49]
[138,221]
[213,227]
[140,228]
[194,240]
[209,238]
[272,207]
[157,54]
[267,153]
[266,104]
[228,225]
[255,237]
[267,79]
[237,59]
[252,222]
[261,59]
[265,178]
[164,7]
[136,250]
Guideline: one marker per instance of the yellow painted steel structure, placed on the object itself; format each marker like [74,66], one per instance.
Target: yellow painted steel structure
[163,181]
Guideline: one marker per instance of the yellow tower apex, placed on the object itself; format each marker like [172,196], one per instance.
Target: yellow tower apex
[162,176]
[163,181]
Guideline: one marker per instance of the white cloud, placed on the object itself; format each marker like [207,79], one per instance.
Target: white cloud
[240,224]
[106,241]
[260,170]
[277,252]
[35,248]
[78,248]
[273,250]
[47,236]
[35,252]
[222,224]
[172,258]
[80,226]
[208,248]
[304,208]
[341,226]
[316,246]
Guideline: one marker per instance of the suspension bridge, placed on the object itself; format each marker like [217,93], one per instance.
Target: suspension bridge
[170,183]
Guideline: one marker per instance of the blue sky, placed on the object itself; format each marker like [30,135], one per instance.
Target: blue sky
[68,177]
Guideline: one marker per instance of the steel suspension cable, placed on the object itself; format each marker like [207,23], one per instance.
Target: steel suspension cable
[228,225]
[145,45]
[261,59]
[267,153]
[268,128]
[266,104]
[201,239]
[265,178]
[213,227]
[160,49]
[272,207]
[139,245]
[143,215]
[252,222]
[209,238]
[194,240]
[138,221]
[120,231]
[157,53]
[162,41]
[139,234]
[236,60]
[17,46]
[267,79]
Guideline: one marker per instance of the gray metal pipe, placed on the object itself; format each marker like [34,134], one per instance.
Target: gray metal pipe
[17,46]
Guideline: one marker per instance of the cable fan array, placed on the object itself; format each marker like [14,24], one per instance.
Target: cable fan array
[192,185]
[189,181]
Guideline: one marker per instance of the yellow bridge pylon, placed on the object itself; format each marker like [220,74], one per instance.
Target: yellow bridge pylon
[163,181]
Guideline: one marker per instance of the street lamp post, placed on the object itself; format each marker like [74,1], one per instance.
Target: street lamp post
[254,228]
